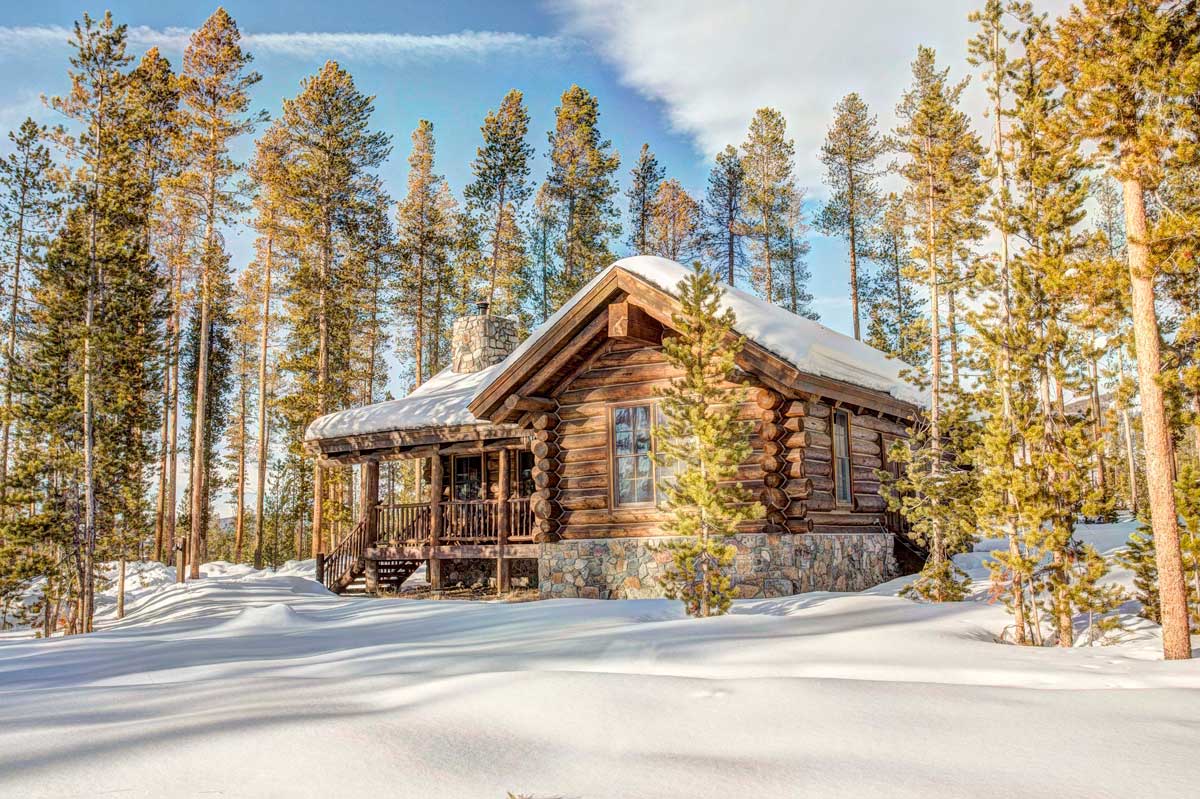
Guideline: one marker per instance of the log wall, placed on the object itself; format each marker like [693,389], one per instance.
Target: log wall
[789,470]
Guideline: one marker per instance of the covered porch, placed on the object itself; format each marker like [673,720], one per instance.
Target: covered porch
[467,500]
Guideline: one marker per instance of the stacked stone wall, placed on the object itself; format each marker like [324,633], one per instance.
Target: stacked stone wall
[765,565]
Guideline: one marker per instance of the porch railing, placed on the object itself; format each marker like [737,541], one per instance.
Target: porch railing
[407,522]
[463,522]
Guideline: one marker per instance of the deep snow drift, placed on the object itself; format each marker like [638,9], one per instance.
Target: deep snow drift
[252,684]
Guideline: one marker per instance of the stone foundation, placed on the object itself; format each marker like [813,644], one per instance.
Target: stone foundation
[481,573]
[766,565]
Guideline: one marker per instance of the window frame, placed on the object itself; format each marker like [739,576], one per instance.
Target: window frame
[483,475]
[833,451]
[614,500]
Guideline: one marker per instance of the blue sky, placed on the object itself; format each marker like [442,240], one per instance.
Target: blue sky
[683,75]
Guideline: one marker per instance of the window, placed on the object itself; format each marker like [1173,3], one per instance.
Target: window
[468,477]
[524,474]
[841,457]
[633,454]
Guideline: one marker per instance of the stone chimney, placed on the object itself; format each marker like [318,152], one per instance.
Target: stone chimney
[481,340]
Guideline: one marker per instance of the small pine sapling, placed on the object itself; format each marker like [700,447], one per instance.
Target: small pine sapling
[701,441]
[1139,557]
[1187,499]
[1097,601]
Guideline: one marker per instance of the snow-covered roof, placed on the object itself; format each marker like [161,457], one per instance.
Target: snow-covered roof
[440,401]
[809,346]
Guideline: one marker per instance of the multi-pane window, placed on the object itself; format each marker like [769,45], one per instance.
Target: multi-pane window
[633,454]
[841,457]
[468,477]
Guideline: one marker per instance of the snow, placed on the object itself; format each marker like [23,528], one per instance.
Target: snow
[807,345]
[263,684]
[440,401]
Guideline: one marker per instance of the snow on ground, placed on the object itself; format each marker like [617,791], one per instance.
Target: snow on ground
[260,684]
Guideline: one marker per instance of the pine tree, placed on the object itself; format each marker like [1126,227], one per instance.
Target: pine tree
[426,227]
[332,190]
[268,170]
[849,153]
[153,100]
[767,162]
[500,189]
[1128,68]
[28,208]
[702,440]
[646,179]
[581,186]
[723,214]
[673,225]
[943,195]
[897,325]
[214,89]
[543,237]
[792,250]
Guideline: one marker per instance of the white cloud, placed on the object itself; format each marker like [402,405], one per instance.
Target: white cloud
[711,63]
[374,47]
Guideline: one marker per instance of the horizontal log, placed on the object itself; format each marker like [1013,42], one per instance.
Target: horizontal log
[839,529]
[869,502]
[799,489]
[776,518]
[882,425]
[801,526]
[613,516]
[547,465]
[863,487]
[515,402]
[794,470]
[797,509]
[774,480]
[545,479]
[773,498]
[625,392]
[818,468]
[773,448]
[625,373]
[545,508]
[793,408]
[817,425]
[546,435]
[821,483]
[768,398]
[589,468]
[584,454]
[770,431]
[573,502]
[545,421]
[860,447]
[583,482]
[818,454]
[820,500]
[775,527]
[863,434]
[870,461]
[865,474]
[819,409]
[545,450]
[863,521]
[598,438]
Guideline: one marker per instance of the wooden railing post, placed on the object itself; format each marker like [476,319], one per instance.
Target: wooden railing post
[503,580]
[435,520]
[369,500]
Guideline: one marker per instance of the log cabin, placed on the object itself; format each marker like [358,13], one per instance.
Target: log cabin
[537,456]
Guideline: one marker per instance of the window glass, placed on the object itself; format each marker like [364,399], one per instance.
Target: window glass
[468,477]
[841,456]
[633,454]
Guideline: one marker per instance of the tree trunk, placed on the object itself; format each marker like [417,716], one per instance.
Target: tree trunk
[1130,462]
[937,551]
[11,349]
[853,255]
[264,336]
[1156,435]
[121,589]
[1097,426]
[239,523]
[199,416]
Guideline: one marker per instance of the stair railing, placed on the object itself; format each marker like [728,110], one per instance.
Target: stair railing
[339,565]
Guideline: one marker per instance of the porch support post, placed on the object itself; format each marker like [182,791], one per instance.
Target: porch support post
[503,578]
[435,520]
[368,498]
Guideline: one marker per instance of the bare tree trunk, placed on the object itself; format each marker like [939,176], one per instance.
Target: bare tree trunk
[937,549]
[169,535]
[1156,433]
[1097,426]
[199,417]
[121,589]
[239,524]
[10,353]
[853,209]
[264,336]
[496,246]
